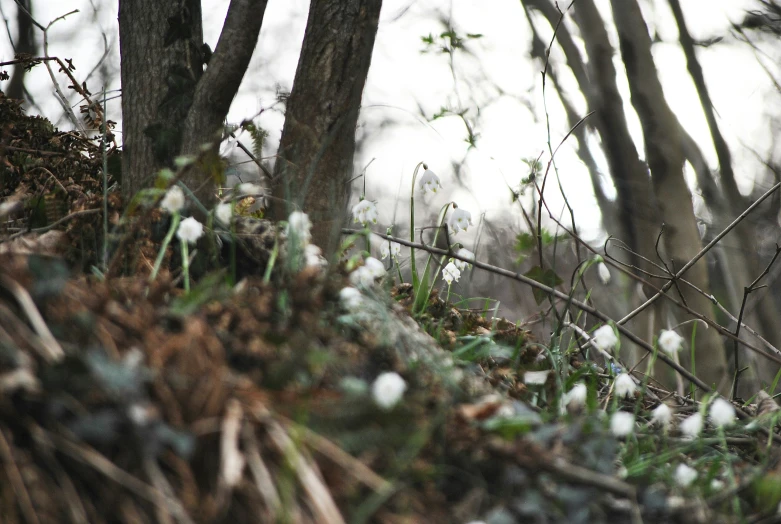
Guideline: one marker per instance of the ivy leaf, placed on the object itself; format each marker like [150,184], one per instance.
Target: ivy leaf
[547,277]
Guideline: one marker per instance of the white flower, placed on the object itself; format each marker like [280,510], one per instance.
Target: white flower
[604,273]
[351,298]
[716,485]
[691,426]
[451,273]
[536,378]
[388,389]
[365,211]
[605,338]
[299,226]
[173,201]
[247,188]
[662,415]
[374,266]
[625,386]
[576,397]
[429,182]
[622,423]
[223,213]
[670,341]
[362,277]
[468,255]
[365,275]
[459,219]
[684,475]
[393,249]
[722,413]
[190,230]
[314,256]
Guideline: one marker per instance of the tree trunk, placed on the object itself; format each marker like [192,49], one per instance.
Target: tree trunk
[742,264]
[315,160]
[160,49]
[637,212]
[665,159]
[25,44]
[170,106]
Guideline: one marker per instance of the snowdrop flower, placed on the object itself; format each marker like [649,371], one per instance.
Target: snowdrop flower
[314,256]
[393,249]
[429,182]
[691,426]
[388,389]
[374,266]
[351,298]
[365,275]
[576,397]
[670,342]
[459,219]
[364,212]
[722,413]
[451,273]
[299,226]
[190,230]
[604,273]
[605,338]
[625,386]
[536,378]
[662,415]
[223,213]
[173,201]
[684,475]
[247,188]
[622,423]
[464,253]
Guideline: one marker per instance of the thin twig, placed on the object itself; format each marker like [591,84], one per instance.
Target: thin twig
[702,253]
[52,225]
[746,292]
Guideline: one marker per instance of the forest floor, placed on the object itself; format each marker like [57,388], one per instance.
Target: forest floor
[252,396]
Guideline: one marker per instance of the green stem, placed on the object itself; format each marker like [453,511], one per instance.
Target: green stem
[186,265]
[167,240]
[415,278]
[421,298]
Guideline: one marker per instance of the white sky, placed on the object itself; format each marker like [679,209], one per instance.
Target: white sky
[402,79]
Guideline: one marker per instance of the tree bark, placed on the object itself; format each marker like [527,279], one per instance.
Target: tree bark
[217,88]
[665,159]
[25,44]
[160,43]
[170,106]
[315,159]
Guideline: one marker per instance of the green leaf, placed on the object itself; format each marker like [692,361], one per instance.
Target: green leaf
[547,277]
[525,242]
